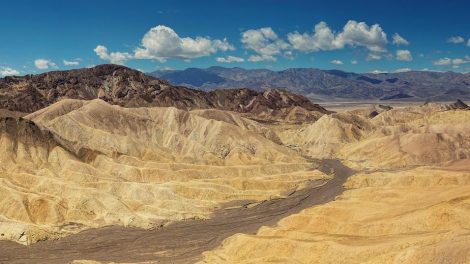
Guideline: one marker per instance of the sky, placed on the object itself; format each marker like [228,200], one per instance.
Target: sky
[355,36]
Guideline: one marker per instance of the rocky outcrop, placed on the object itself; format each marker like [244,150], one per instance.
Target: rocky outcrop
[122,86]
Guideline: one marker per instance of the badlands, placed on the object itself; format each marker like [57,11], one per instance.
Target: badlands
[108,165]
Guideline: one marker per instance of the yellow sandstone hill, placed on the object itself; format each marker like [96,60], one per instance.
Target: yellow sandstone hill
[409,202]
[419,135]
[81,164]
[414,216]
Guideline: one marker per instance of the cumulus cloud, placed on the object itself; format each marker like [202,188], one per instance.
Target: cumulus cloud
[265,43]
[337,62]
[322,38]
[404,55]
[7,71]
[354,62]
[268,45]
[229,59]
[402,70]
[355,34]
[399,40]
[162,42]
[360,34]
[113,57]
[455,40]
[468,43]
[44,64]
[71,62]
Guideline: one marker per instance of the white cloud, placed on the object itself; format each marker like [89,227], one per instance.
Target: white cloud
[459,61]
[44,64]
[399,40]
[454,62]
[443,61]
[373,56]
[258,58]
[265,43]
[468,43]
[337,62]
[113,57]
[71,62]
[404,55]
[455,40]
[402,70]
[354,62]
[378,72]
[288,54]
[165,68]
[355,34]
[229,59]
[7,71]
[161,43]
[323,38]
[360,34]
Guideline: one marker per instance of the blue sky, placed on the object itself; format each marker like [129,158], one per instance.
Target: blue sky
[356,36]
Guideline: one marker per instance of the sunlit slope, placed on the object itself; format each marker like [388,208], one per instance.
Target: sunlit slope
[422,135]
[80,164]
[414,216]
[409,202]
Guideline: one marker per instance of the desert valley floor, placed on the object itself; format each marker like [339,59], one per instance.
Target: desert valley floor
[119,167]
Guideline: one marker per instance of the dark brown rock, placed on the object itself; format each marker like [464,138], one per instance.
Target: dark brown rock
[130,88]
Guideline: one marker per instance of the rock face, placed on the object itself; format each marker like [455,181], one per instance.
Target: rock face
[130,88]
[460,105]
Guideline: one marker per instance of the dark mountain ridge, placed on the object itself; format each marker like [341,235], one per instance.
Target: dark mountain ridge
[122,86]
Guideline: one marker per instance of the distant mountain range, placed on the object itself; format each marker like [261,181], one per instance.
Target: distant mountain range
[329,84]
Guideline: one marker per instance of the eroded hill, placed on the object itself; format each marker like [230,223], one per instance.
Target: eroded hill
[111,147]
[80,164]
[408,203]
